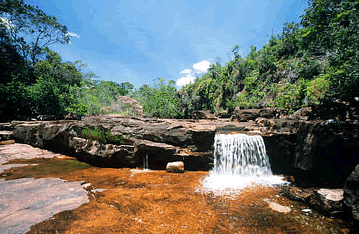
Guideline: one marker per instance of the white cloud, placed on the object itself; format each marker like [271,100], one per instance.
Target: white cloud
[185,80]
[71,34]
[186,71]
[202,66]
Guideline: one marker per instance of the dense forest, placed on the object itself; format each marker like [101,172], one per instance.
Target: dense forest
[314,62]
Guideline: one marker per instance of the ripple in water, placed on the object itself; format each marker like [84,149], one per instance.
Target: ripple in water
[239,161]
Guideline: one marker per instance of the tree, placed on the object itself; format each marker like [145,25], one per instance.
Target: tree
[65,74]
[30,29]
[160,100]
[332,32]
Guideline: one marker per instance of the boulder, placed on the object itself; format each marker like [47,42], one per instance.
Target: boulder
[175,167]
[351,193]
[327,200]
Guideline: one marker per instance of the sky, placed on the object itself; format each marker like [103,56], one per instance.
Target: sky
[141,40]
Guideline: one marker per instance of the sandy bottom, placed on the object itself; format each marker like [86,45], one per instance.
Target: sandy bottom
[137,201]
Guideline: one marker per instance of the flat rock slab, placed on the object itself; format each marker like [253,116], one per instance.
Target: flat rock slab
[332,194]
[25,202]
[277,207]
[21,151]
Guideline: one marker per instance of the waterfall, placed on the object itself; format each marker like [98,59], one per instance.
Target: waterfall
[145,162]
[240,154]
[239,161]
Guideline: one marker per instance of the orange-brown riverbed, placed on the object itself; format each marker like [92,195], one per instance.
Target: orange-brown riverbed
[137,201]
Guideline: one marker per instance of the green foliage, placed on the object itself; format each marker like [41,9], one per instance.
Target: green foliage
[304,65]
[14,100]
[91,97]
[45,97]
[102,136]
[160,100]
[77,108]
[288,97]
[332,33]
[316,90]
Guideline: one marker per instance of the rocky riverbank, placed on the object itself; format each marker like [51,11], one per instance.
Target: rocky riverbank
[311,153]
[295,146]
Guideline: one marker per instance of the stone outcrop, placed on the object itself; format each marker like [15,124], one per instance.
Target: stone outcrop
[294,146]
[326,148]
[327,200]
[351,193]
[160,140]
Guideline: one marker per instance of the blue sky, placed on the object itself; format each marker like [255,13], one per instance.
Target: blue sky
[139,40]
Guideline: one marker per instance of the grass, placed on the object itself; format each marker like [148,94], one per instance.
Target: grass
[102,136]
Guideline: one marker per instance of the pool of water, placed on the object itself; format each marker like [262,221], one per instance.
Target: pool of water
[138,201]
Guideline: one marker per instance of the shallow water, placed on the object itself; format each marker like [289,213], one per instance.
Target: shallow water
[138,201]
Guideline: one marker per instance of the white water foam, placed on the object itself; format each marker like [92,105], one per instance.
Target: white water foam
[239,161]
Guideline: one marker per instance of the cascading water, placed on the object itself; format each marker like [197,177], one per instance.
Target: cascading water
[145,162]
[239,161]
[239,154]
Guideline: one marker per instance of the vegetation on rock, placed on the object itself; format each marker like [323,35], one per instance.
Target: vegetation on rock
[102,136]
